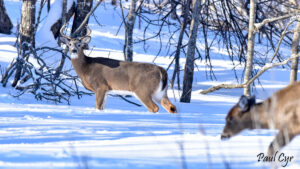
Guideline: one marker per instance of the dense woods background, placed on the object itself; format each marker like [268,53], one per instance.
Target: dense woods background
[236,24]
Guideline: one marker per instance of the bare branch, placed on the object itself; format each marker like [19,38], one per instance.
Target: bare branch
[269,20]
[281,38]
[222,86]
[269,66]
[264,69]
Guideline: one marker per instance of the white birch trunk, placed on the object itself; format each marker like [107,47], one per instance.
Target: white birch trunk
[294,51]
[250,44]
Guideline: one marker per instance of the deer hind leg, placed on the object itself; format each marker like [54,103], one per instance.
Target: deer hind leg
[100,98]
[282,138]
[148,102]
[151,106]
[165,102]
[160,96]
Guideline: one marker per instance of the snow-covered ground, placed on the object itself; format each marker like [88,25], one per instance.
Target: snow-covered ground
[39,134]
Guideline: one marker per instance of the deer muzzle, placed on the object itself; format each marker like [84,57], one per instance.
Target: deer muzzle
[225,136]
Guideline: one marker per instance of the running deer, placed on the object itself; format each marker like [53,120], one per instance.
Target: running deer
[280,111]
[100,75]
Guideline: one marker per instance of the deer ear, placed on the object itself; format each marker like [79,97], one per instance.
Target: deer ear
[245,103]
[64,40]
[252,101]
[86,39]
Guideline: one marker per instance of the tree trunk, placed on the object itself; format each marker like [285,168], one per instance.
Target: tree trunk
[64,11]
[250,44]
[129,31]
[27,23]
[179,44]
[294,51]
[5,23]
[55,28]
[114,2]
[82,9]
[63,56]
[26,34]
[189,65]
[173,8]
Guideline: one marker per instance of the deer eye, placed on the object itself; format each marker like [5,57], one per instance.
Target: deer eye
[230,120]
[78,44]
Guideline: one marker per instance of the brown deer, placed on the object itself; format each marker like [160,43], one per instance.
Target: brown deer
[280,111]
[100,75]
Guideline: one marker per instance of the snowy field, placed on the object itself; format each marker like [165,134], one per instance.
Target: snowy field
[40,134]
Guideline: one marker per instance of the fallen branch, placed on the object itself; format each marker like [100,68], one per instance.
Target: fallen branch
[264,69]
[222,86]
[42,80]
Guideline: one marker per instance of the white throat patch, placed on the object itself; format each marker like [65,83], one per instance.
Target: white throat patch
[74,56]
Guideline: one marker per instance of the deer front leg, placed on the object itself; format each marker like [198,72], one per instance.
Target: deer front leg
[282,138]
[100,98]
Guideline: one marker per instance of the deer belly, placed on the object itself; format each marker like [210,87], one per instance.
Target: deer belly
[120,92]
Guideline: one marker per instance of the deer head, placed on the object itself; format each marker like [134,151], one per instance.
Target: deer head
[239,117]
[75,44]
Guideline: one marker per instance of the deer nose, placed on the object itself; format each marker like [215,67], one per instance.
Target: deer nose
[74,51]
[225,136]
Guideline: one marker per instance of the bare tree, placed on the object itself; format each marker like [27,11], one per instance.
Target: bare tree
[63,56]
[5,23]
[26,35]
[189,65]
[82,9]
[294,51]
[179,43]
[58,24]
[129,26]
[27,23]
[173,9]
[250,45]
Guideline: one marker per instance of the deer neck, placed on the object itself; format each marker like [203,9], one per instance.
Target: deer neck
[260,116]
[79,63]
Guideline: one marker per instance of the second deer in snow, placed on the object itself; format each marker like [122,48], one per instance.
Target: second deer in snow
[280,111]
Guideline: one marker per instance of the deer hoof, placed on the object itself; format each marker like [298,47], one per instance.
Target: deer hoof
[154,110]
[172,109]
[100,107]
